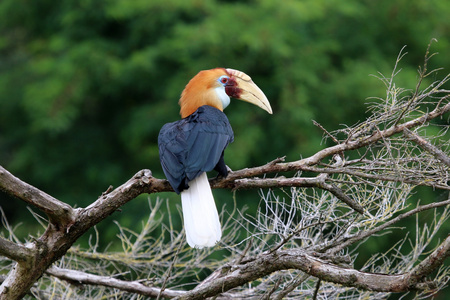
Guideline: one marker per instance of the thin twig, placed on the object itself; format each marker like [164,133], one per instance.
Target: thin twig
[427,146]
[316,290]
[365,234]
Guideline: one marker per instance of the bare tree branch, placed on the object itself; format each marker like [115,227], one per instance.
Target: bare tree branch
[366,234]
[429,264]
[291,286]
[317,182]
[59,213]
[14,251]
[361,173]
[424,144]
[129,286]
[297,259]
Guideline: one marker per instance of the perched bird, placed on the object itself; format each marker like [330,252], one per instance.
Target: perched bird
[194,145]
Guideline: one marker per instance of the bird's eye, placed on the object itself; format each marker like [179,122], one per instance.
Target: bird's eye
[223,79]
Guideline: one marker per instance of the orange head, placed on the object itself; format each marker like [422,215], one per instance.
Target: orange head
[215,87]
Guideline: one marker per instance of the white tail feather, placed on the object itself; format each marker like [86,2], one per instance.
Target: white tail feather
[201,220]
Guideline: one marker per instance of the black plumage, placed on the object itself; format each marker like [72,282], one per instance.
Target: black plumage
[193,145]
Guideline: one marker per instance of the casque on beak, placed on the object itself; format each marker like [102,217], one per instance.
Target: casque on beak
[249,91]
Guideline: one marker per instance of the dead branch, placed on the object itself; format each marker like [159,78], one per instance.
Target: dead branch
[137,287]
[268,263]
[424,144]
[362,235]
[14,251]
[58,212]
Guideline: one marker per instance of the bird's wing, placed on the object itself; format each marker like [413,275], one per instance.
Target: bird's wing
[193,145]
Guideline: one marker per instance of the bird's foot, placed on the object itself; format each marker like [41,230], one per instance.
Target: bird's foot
[222,175]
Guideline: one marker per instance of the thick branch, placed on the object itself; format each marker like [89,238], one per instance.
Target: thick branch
[14,251]
[431,263]
[268,263]
[129,286]
[108,203]
[59,213]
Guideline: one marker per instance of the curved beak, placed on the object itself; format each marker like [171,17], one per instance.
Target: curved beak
[249,91]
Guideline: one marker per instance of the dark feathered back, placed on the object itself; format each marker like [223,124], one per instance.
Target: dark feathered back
[194,145]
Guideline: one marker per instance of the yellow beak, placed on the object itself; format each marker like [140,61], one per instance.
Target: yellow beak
[249,91]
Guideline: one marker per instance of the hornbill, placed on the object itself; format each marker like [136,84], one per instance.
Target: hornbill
[194,145]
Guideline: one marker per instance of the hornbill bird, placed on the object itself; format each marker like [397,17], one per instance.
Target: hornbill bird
[194,145]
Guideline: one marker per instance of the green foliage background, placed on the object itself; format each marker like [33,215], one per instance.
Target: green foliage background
[86,85]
